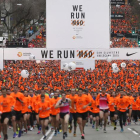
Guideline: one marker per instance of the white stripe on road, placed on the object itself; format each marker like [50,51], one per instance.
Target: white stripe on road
[135,132]
[129,129]
[51,136]
[47,133]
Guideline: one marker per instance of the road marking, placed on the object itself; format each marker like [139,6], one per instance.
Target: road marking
[135,132]
[51,136]
[47,133]
[129,129]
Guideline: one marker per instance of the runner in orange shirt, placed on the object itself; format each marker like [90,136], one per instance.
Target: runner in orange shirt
[44,113]
[94,109]
[81,106]
[16,113]
[73,114]
[113,111]
[35,109]
[122,104]
[55,113]
[7,103]
[25,107]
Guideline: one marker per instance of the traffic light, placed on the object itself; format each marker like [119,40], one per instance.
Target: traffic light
[133,30]
[139,40]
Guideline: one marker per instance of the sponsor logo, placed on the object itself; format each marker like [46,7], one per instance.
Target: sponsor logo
[19,54]
[74,37]
[129,54]
[85,54]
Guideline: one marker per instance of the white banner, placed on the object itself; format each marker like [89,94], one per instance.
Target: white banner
[78,24]
[1,59]
[71,54]
[80,64]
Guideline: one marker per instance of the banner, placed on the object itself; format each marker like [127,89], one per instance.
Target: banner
[1,59]
[117,2]
[117,16]
[77,24]
[71,54]
[80,64]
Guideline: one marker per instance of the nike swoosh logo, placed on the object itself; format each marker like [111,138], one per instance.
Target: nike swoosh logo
[130,54]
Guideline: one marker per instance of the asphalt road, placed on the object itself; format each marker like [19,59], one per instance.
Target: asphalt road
[131,132]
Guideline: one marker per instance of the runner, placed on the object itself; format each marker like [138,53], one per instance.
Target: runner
[16,113]
[102,102]
[95,111]
[73,114]
[64,104]
[82,102]
[44,113]
[7,103]
[122,104]
[135,109]
[35,110]
[113,111]
[25,107]
[55,113]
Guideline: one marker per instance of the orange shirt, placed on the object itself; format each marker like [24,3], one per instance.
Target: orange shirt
[94,108]
[122,103]
[26,103]
[18,106]
[53,110]
[72,98]
[138,102]
[44,113]
[135,105]
[112,101]
[80,102]
[6,103]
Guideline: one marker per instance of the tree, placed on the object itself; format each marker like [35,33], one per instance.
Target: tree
[20,16]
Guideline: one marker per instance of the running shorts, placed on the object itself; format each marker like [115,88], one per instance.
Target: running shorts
[62,115]
[5,115]
[82,115]
[17,114]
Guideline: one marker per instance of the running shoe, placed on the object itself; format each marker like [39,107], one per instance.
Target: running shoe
[14,135]
[19,135]
[17,132]
[122,130]
[83,136]
[69,130]
[25,131]
[64,136]
[105,131]
[97,129]
[93,126]
[10,127]
[44,137]
[58,131]
[115,127]
[31,129]
[74,134]
[55,133]
[38,132]
[0,136]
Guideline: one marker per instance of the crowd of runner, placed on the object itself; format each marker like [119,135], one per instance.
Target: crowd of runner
[61,98]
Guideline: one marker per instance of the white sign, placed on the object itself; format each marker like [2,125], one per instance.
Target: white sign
[71,54]
[78,24]
[1,59]
[80,64]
